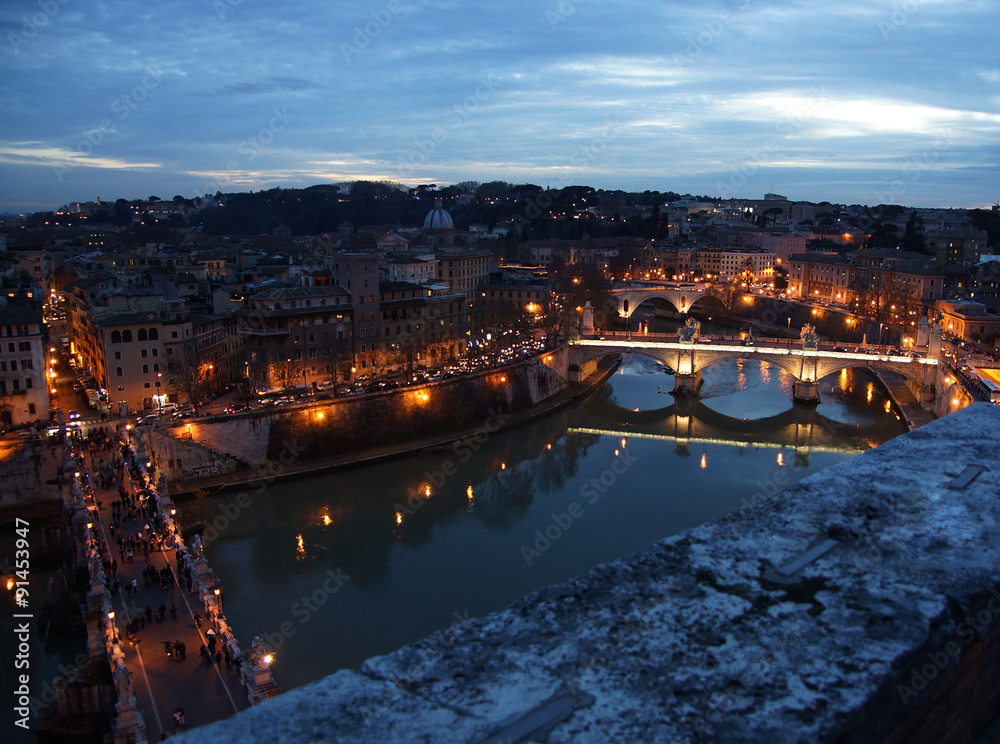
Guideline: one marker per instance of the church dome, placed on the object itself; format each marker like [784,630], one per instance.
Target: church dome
[438,218]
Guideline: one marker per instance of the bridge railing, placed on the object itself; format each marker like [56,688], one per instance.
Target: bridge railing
[758,342]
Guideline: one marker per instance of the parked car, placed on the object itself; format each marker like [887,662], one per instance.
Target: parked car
[72,415]
[236,408]
[325,385]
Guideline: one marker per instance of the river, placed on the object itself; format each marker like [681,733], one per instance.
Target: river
[332,569]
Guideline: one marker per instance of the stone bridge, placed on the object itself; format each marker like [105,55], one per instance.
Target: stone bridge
[806,360]
[682,295]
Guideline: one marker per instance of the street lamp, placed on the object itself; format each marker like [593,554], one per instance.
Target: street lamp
[114,625]
[159,398]
[217,591]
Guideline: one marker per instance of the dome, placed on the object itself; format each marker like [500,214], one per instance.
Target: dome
[438,218]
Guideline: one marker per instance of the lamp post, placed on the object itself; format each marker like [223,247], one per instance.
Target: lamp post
[217,591]
[159,398]
[114,625]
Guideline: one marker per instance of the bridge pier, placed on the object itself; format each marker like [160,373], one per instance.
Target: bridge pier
[687,385]
[806,391]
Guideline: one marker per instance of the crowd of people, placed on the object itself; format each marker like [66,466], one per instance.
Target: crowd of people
[136,525]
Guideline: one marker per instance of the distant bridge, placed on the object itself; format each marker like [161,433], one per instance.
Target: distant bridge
[682,295]
[806,363]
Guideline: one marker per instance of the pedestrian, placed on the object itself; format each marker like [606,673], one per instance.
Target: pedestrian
[173,611]
[228,656]
[197,619]
[178,717]
[149,614]
[218,658]
[183,649]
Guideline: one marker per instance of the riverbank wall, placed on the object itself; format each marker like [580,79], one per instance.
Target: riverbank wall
[225,451]
[861,604]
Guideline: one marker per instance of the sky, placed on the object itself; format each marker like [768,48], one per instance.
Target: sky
[854,101]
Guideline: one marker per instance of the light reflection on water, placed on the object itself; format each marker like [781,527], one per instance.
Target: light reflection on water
[420,546]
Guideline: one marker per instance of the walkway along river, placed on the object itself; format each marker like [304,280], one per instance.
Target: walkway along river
[334,568]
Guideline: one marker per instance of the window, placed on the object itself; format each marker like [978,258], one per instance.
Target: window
[170,350]
[31,408]
[13,364]
[126,337]
[118,355]
[24,346]
[156,352]
[154,335]
[116,337]
[16,384]
[28,383]
[121,388]
[119,372]
[27,364]
[173,334]
[143,353]
[156,367]
[146,385]
[141,335]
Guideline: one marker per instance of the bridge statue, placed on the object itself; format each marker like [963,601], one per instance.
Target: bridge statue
[196,548]
[809,338]
[123,681]
[162,484]
[261,655]
[690,331]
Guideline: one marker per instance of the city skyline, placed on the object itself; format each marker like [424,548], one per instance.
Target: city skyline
[886,102]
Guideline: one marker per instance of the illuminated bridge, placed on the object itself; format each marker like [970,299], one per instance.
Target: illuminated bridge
[806,360]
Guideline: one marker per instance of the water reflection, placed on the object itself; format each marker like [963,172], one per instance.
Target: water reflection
[426,536]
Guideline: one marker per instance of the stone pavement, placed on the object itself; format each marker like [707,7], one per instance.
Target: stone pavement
[206,692]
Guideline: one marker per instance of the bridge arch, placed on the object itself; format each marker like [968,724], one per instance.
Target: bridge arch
[789,364]
[682,299]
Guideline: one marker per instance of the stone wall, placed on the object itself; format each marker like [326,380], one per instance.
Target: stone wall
[861,604]
[324,429]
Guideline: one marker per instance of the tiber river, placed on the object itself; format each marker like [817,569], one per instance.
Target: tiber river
[336,568]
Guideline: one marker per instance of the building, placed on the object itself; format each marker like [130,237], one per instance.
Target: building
[971,321]
[421,269]
[463,271]
[24,389]
[423,323]
[821,276]
[131,361]
[358,273]
[729,263]
[294,336]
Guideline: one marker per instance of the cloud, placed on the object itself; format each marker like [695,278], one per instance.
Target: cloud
[37,153]
[274,85]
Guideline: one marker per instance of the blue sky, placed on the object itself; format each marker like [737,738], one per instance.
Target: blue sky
[855,101]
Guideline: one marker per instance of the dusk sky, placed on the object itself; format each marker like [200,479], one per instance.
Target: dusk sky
[857,101]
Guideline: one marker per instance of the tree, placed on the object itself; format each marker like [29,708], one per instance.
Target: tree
[189,374]
[284,373]
[256,369]
[913,236]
